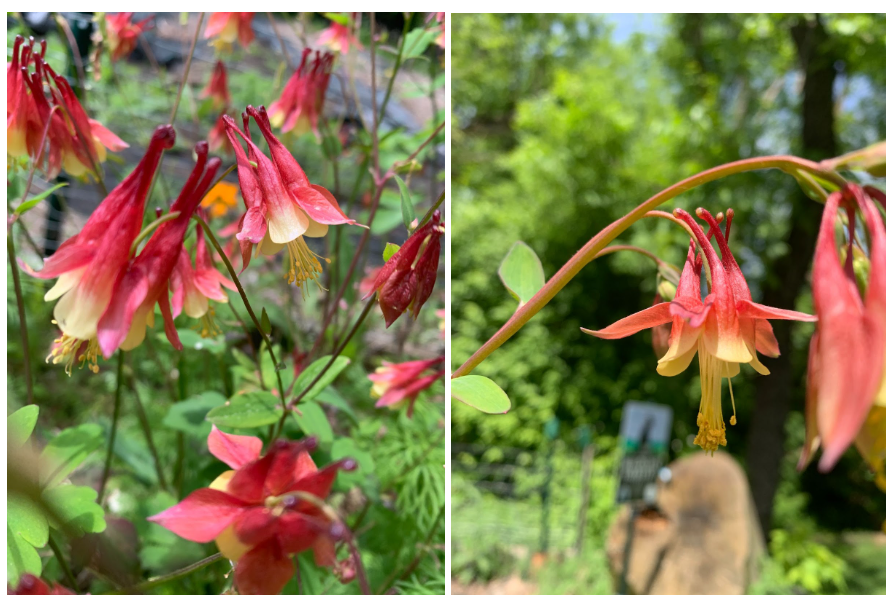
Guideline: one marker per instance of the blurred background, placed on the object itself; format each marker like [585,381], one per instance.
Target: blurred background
[561,124]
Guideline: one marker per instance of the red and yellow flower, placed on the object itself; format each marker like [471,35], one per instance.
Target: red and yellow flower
[846,368]
[227,27]
[263,511]
[217,89]
[339,36]
[395,384]
[300,106]
[122,33]
[90,265]
[726,329]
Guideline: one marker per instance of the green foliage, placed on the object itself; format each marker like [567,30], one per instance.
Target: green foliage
[480,393]
[521,272]
[307,376]
[245,411]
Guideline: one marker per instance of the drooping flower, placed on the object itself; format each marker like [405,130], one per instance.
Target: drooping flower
[145,282]
[395,384]
[300,106]
[847,353]
[89,265]
[217,89]
[217,136]
[283,207]
[227,27]
[339,36]
[193,288]
[408,278]
[259,513]
[725,329]
[32,585]
[123,33]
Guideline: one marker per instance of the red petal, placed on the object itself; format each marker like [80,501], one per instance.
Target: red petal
[318,484]
[320,205]
[297,531]
[234,450]
[248,481]
[254,225]
[264,570]
[750,309]
[129,293]
[765,340]
[68,258]
[641,320]
[256,526]
[201,516]
[170,329]
[324,551]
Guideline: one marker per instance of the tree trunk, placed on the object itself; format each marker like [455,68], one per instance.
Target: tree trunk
[774,392]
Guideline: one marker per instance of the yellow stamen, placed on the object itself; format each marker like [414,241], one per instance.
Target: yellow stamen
[732,419]
[67,349]
[207,327]
[304,264]
[711,429]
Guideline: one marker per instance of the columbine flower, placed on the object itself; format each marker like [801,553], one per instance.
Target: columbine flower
[257,513]
[847,353]
[442,24]
[226,27]
[217,89]
[408,278]
[32,585]
[726,329]
[283,207]
[395,384]
[22,122]
[299,107]
[145,282]
[339,37]
[89,265]
[217,136]
[122,33]
[194,287]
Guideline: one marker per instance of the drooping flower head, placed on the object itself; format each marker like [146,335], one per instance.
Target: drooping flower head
[90,264]
[259,513]
[32,585]
[300,106]
[146,280]
[193,288]
[725,329]
[846,368]
[395,384]
[339,36]
[122,33]
[41,102]
[283,207]
[217,89]
[408,278]
[227,27]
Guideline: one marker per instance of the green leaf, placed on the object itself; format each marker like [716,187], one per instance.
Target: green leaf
[310,373]
[77,508]
[193,340]
[389,251]
[188,416]
[21,558]
[481,393]
[254,409]
[521,272]
[20,425]
[340,18]
[32,202]
[265,322]
[406,203]
[331,397]
[312,420]
[25,518]
[68,450]
[418,40]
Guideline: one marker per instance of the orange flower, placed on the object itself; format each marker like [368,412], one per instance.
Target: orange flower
[221,198]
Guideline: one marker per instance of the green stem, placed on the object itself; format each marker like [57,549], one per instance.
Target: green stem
[788,164]
[150,228]
[171,576]
[114,430]
[192,49]
[251,313]
[20,304]
[66,569]
[147,431]
[400,54]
